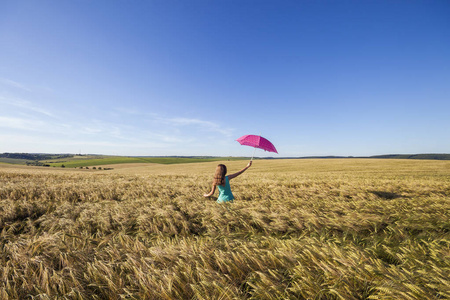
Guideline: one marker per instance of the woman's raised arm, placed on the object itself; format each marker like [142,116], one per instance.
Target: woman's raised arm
[240,172]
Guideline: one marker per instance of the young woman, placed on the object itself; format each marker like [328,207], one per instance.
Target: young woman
[223,183]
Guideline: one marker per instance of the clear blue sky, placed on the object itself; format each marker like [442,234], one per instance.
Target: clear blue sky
[163,77]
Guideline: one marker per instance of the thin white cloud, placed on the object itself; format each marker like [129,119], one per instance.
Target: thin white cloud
[90,130]
[54,144]
[204,125]
[132,131]
[20,123]
[24,104]
[120,111]
[186,121]
[178,122]
[14,84]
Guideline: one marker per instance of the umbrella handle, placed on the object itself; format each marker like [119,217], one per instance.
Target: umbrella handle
[253,154]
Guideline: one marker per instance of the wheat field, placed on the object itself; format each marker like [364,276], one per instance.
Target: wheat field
[298,229]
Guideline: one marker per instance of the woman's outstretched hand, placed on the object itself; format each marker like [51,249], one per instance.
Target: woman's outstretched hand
[249,164]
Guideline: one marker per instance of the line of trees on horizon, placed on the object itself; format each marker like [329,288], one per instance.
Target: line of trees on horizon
[34,156]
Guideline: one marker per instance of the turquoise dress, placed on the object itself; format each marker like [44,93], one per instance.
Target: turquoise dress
[225,193]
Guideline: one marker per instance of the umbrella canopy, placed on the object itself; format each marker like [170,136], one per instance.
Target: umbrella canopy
[257,142]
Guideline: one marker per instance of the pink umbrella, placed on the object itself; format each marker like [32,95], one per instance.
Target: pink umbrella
[257,142]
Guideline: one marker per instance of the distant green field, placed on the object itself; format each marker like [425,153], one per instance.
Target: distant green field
[12,161]
[74,163]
